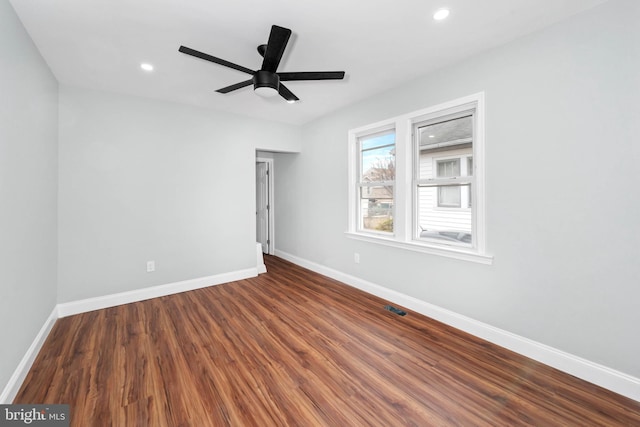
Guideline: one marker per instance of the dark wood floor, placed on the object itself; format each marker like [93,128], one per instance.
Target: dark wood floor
[293,348]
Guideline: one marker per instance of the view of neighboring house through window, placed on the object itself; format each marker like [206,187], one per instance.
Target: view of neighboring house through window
[448,196]
[377,169]
[444,179]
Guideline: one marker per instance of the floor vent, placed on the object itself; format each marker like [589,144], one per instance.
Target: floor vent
[395,310]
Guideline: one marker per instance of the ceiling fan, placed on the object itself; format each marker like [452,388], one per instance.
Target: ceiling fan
[266,81]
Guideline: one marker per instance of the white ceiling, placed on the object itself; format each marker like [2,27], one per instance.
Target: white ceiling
[100,44]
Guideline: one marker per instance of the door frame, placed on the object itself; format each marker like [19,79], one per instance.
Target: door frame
[270,200]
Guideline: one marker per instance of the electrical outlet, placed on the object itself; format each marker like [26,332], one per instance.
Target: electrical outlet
[356,258]
[151,266]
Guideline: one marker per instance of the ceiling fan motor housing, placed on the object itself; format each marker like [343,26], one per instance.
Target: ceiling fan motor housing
[266,79]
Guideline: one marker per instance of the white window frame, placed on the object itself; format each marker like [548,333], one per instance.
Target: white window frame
[405,205]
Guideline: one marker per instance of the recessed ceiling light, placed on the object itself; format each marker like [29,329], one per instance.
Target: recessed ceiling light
[291,101]
[432,136]
[441,14]
[146,67]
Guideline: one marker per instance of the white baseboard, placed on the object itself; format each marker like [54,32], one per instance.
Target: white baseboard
[90,304]
[15,382]
[603,376]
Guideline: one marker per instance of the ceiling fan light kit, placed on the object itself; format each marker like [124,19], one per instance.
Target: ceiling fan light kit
[266,84]
[266,81]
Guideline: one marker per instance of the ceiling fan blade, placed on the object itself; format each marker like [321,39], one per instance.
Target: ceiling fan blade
[208,57]
[312,75]
[278,40]
[235,86]
[287,94]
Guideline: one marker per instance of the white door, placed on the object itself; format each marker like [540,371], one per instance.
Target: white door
[262,205]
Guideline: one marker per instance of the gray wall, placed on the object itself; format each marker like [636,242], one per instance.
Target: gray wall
[28,181]
[563,212]
[148,180]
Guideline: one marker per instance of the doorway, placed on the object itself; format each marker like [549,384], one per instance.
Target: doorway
[264,205]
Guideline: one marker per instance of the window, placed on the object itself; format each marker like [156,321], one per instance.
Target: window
[376,179]
[443,184]
[416,181]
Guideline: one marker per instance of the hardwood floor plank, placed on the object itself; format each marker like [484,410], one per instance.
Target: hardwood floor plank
[294,348]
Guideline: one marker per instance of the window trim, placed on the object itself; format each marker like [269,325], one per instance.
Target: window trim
[403,236]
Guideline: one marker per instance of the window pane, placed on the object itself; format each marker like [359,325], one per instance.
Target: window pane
[378,158]
[377,166]
[377,140]
[446,133]
[376,208]
[445,150]
[440,224]
[444,140]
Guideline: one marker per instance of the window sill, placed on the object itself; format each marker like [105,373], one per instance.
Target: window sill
[449,252]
